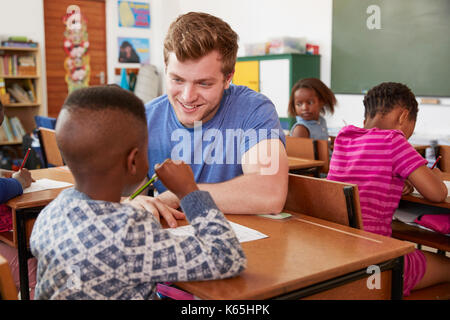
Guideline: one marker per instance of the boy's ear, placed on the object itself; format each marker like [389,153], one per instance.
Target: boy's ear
[131,161]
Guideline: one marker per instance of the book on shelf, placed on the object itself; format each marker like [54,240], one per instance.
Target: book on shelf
[11,130]
[17,127]
[17,64]
[19,93]
[19,44]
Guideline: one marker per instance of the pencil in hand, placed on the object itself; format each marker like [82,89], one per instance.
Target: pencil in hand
[149,182]
[435,163]
[25,159]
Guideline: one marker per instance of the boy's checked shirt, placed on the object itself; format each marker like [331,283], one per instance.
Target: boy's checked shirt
[88,249]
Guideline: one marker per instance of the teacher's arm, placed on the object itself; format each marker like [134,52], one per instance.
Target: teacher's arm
[263,186]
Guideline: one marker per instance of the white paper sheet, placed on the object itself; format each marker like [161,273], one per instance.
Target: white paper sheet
[243,233]
[44,184]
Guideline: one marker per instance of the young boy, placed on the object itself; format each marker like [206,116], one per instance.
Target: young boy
[379,159]
[91,246]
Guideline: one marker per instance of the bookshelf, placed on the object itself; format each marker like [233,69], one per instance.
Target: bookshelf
[20,87]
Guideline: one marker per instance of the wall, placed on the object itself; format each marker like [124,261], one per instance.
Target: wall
[253,20]
[258,20]
[25,18]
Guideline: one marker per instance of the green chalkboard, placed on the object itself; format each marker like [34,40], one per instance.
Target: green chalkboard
[405,41]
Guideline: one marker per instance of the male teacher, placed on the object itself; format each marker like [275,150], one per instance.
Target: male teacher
[230,135]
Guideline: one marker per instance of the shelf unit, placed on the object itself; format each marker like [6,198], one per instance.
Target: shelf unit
[24,111]
[274,75]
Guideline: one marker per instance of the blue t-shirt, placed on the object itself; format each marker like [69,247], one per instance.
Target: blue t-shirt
[317,129]
[214,148]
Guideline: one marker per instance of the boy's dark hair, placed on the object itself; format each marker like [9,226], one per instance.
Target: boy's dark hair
[384,97]
[322,91]
[98,98]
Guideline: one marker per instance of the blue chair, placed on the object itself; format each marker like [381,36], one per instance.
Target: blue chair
[45,122]
[42,122]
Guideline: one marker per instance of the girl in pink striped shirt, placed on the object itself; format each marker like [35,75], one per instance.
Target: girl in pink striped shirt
[379,159]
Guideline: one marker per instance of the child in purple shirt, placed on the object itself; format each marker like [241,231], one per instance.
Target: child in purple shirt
[379,159]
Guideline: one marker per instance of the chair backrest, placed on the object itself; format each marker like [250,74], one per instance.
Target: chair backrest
[301,147]
[323,153]
[444,163]
[8,289]
[328,200]
[45,122]
[309,149]
[50,151]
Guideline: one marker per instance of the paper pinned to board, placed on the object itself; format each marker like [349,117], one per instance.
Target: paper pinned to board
[243,233]
[45,184]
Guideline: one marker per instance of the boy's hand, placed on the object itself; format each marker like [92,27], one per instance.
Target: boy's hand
[177,176]
[24,177]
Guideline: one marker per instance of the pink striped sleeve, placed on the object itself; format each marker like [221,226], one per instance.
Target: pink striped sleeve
[405,159]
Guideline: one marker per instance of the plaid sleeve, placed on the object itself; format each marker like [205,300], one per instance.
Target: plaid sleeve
[213,252]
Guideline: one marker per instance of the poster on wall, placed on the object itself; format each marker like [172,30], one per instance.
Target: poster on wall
[134,14]
[76,45]
[134,50]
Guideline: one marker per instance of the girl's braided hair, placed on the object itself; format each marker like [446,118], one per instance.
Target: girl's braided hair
[384,97]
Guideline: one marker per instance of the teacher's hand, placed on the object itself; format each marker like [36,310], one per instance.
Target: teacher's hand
[159,206]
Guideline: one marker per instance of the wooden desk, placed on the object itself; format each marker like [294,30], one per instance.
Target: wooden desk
[420,199]
[418,235]
[300,163]
[309,257]
[25,208]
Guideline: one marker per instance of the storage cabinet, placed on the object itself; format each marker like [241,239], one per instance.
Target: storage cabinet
[274,75]
[20,71]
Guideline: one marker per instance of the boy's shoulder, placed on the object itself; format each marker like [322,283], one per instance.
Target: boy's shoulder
[78,207]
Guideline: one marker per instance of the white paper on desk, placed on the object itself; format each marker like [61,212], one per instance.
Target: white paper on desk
[447,183]
[44,184]
[243,233]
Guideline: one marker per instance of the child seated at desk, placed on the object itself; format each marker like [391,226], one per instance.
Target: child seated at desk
[11,186]
[88,244]
[310,98]
[378,158]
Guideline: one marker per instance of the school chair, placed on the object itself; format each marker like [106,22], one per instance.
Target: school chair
[309,149]
[51,155]
[444,163]
[8,289]
[328,200]
[45,122]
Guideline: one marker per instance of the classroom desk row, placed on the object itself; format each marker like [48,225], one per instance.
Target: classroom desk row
[421,236]
[303,257]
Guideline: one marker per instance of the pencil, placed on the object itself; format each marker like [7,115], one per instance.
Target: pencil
[152,180]
[435,163]
[25,159]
